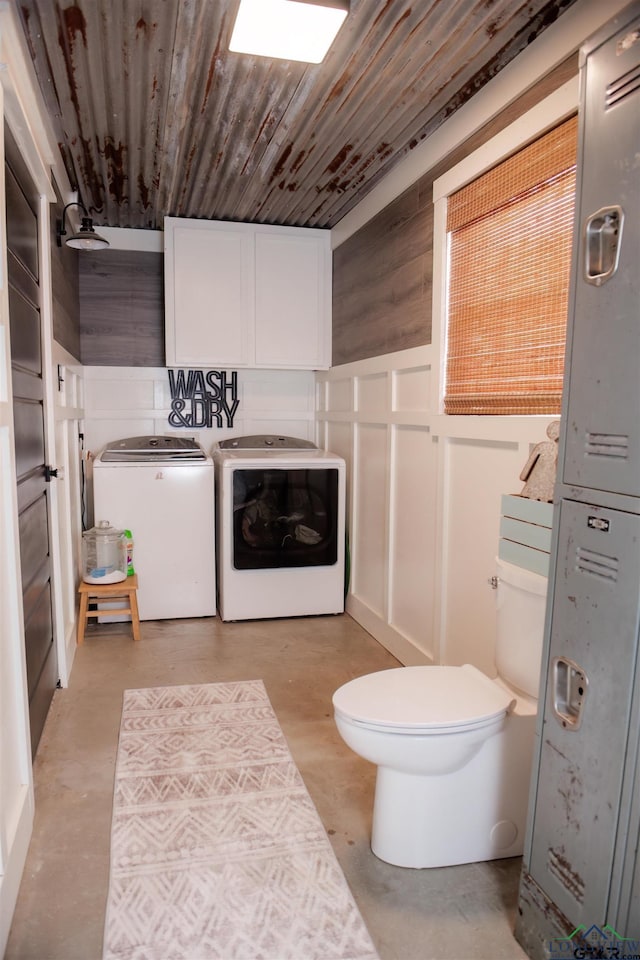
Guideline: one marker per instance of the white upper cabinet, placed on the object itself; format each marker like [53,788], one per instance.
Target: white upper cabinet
[246,295]
[208,293]
[292,298]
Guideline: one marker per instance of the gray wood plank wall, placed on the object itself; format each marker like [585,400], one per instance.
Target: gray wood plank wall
[65,290]
[382,275]
[122,308]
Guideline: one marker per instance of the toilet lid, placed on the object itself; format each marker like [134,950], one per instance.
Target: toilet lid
[422,697]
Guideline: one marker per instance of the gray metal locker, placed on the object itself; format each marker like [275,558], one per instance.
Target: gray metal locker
[581,875]
[601,433]
[590,682]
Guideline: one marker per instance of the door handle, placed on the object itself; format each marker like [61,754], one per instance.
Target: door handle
[602,238]
[569,688]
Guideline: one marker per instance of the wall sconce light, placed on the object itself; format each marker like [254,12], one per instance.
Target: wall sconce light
[288,29]
[86,238]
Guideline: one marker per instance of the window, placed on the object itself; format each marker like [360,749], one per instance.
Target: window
[509,235]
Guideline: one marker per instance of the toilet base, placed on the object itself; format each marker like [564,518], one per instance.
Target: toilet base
[478,813]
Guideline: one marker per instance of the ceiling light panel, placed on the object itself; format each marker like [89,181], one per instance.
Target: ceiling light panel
[287,29]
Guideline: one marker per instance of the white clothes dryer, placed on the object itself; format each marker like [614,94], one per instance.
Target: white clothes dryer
[280,522]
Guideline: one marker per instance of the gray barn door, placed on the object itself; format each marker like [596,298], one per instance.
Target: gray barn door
[28,407]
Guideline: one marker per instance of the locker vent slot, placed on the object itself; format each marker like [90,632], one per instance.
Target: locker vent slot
[607,445]
[617,90]
[561,869]
[597,564]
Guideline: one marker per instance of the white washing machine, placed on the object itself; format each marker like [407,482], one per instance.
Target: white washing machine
[162,489]
[280,522]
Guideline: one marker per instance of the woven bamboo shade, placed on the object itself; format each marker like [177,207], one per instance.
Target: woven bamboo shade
[510,237]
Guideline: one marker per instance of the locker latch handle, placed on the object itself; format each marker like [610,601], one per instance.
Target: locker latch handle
[569,687]
[602,238]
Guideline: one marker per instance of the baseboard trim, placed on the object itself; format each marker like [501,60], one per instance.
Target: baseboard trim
[14,867]
[391,639]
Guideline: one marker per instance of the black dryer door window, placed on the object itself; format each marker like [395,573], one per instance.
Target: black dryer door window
[285,518]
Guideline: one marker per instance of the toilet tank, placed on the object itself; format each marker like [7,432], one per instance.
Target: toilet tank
[521,603]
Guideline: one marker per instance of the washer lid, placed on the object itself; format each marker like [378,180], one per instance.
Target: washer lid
[266,442]
[152,448]
[430,697]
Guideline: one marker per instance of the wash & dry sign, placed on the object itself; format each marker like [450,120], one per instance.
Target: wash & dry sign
[203,398]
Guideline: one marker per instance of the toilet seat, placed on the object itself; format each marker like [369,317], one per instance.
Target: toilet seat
[423,700]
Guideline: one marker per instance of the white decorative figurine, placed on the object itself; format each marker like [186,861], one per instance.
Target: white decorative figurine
[539,472]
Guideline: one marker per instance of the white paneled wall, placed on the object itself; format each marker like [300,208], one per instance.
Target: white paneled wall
[476,472]
[373,413]
[424,495]
[134,401]
[412,528]
[369,515]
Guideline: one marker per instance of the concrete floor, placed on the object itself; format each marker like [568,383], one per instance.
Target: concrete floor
[452,913]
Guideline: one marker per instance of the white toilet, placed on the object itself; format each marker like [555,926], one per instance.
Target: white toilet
[453,747]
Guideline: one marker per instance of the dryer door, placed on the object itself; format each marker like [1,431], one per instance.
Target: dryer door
[285,517]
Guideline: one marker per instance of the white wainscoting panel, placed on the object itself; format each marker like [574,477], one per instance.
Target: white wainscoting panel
[413,536]
[411,389]
[372,393]
[476,471]
[123,394]
[338,438]
[424,505]
[369,509]
[372,413]
[339,395]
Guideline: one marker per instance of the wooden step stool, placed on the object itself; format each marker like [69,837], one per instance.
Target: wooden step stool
[124,590]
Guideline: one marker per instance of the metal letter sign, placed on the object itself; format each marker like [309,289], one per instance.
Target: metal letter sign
[202,398]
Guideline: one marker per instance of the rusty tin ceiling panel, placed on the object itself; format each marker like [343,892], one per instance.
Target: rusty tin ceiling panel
[156,117]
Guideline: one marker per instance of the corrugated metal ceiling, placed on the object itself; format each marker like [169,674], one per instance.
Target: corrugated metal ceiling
[156,117]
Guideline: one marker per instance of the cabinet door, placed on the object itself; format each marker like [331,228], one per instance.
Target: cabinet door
[293,290]
[209,293]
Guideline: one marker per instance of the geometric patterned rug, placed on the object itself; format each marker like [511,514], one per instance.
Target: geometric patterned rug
[217,850]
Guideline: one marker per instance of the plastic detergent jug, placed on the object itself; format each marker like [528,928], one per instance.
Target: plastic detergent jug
[104,554]
[129,539]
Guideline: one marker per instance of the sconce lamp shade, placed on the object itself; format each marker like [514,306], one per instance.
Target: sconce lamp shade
[86,238]
[288,29]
